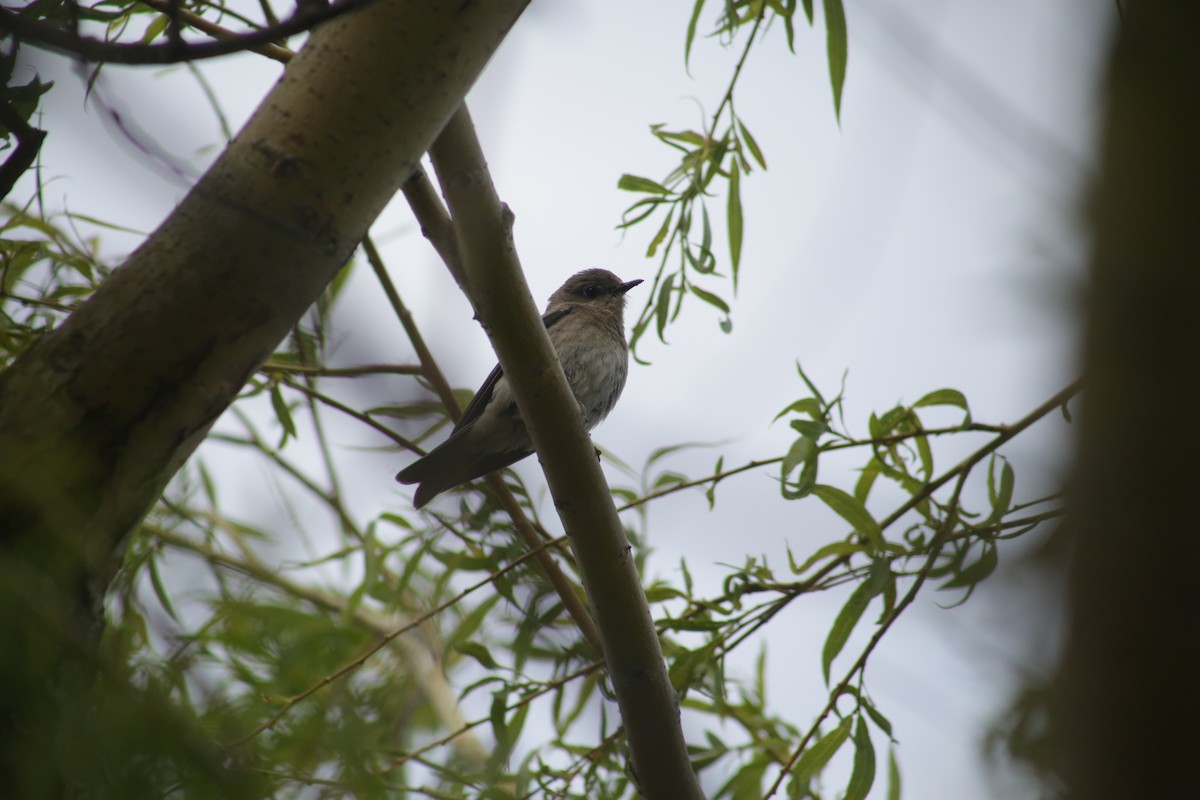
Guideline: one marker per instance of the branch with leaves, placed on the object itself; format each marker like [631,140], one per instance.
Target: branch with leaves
[724,149]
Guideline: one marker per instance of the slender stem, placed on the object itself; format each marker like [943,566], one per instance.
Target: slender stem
[340,372]
[358,415]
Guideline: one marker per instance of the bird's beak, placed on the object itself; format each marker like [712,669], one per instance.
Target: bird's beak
[625,287]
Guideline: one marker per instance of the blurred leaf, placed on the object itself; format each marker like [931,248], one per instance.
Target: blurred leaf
[664,306]
[854,512]
[632,183]
[807,405]
[814,759]
[882,722]
[809,429]
[893,788]
[155,28]
[751,144]
[735,220]
[844,624]
[283,413]
[1000,497]
[838,47]
[159,590]
[862,775]
[661,235]
[946,397]
[691,31]
[838,549]
[866,479]
[709,297]
[478,652]
[746,783]
[972,574]
[801,450]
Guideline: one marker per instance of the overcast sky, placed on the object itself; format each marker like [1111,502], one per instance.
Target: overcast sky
[930,240]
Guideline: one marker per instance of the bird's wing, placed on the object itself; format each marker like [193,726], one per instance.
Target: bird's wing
[480,400]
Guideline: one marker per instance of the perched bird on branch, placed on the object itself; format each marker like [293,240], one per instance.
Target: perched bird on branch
[586,322]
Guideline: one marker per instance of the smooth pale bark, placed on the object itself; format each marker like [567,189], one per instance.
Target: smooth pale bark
[505,307]
[96,418]
[1126,720]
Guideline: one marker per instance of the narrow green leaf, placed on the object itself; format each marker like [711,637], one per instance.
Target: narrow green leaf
[862,489]
[806,405]
[808,10]
[661,235]
[735,219]
[800,451]
[862,775]
[709,297]
[853,511]
[112,226]
[1001,497]
[633,183]
[814,759]
[663,307]
[838,47]
[925,453]
[811,429]
[806,482]
[648,205]
[478,652]
[812,387]
[974,573]
[847,618]
[155,28]
[837,549]
[283,413]
[788,26]
[711,493]
[746,783]
[946,397]
[752,145]
[878,718]
[691,32]
[893,788]
[686,137]
[496,715]
[160,591]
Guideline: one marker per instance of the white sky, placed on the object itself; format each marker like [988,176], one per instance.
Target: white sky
[927,242]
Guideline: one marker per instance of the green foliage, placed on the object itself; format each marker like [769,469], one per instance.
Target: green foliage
[349,672]
[723,150]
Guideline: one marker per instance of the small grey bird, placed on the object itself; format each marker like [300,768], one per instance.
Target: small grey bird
[586,322]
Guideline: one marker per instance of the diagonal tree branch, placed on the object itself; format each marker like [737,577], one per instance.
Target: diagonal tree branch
[501,298]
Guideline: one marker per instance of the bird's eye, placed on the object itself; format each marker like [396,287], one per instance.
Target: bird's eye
[591,292]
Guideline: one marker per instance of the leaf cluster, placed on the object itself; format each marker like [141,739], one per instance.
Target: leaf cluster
[721,152]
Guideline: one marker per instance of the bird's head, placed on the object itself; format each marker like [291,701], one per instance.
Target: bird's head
[598,288]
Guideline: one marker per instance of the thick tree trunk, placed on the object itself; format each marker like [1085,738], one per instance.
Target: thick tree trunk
[1126,722]
[97,416]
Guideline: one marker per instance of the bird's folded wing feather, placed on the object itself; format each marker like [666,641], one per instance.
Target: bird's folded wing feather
[480,400]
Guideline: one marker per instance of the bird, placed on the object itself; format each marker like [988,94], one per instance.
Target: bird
[585,319]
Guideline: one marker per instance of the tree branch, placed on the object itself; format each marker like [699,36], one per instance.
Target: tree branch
[430,211]
[99,413]
[52,37]
[501,298]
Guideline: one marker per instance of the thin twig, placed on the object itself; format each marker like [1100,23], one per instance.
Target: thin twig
[340,372]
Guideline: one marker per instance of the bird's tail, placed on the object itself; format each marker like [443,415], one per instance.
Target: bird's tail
[454,462]
[436,472]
